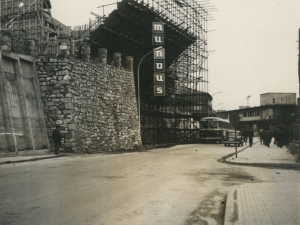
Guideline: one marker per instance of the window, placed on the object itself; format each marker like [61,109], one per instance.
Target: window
[244,114]
[273,100]
[257,113]
[209,124]
[251,114]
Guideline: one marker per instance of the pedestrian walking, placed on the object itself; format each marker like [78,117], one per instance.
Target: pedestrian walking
[280,137]
[261,136]
[245,135]
[285,137]
[250,136]
[275,135]
[268,137]
[56,137]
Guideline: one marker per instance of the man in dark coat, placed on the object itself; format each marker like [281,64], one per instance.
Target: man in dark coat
[261,136]
[56,137]
[250,136]
[280,137]
[268,137]
[275,135]
[245,135]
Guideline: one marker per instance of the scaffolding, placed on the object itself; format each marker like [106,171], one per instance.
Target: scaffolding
[175,117]
[30,19]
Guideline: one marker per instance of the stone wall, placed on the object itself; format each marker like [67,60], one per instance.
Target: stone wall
[94,103]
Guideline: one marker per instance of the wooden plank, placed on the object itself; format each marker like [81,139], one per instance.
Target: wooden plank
[20,83]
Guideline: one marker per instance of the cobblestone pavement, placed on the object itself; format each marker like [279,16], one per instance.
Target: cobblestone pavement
[264,203]
[268,203]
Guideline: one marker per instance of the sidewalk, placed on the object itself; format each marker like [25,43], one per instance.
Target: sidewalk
[261,154]
[264,203]
[18,159]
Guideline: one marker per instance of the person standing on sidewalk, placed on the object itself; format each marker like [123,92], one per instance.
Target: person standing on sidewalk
[56,137]
[250,136]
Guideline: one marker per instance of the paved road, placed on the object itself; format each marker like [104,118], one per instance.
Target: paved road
[181,185]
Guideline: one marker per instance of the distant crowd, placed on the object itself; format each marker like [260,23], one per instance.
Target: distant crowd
[280,134]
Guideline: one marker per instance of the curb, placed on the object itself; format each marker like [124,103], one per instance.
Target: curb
[270,165]
[231,208]
[32,159]
[224,158]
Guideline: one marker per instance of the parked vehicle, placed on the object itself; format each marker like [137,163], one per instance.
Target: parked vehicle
[231,139]
[213,129]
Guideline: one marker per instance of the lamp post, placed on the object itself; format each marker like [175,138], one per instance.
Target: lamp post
[211,98]
[217,93]
[138,83]
[219,104]
[248,100]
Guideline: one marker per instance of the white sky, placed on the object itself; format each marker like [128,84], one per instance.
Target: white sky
[254,42]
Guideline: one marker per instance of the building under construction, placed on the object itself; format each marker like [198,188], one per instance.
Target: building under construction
[174,117]
[171,118]
[30,20]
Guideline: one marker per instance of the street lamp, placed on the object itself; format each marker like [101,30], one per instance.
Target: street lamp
[138,83]
[217,93]
[212,108]
[211,99]
[248,100]
[219,104]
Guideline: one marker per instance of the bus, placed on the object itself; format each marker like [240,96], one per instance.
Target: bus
[213,129]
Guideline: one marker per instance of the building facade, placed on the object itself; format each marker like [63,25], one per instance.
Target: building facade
[276,109]
[273,98]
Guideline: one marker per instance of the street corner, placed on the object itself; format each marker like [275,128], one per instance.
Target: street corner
[232,158]
[231,208]
[243,155]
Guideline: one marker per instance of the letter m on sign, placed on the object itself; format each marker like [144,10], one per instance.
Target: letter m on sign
[158,27]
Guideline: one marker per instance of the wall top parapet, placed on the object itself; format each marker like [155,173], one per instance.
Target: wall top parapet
[73,61]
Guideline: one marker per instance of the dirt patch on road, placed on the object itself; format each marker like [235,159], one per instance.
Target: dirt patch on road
[230,176]
[211,210]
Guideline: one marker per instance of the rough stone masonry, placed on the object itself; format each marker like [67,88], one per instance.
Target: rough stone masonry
[94,103]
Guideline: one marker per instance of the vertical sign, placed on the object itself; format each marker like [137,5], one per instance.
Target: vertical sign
[159,55]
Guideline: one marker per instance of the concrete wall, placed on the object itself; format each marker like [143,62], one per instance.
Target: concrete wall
[95,104]
[22,124]
[279,98]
